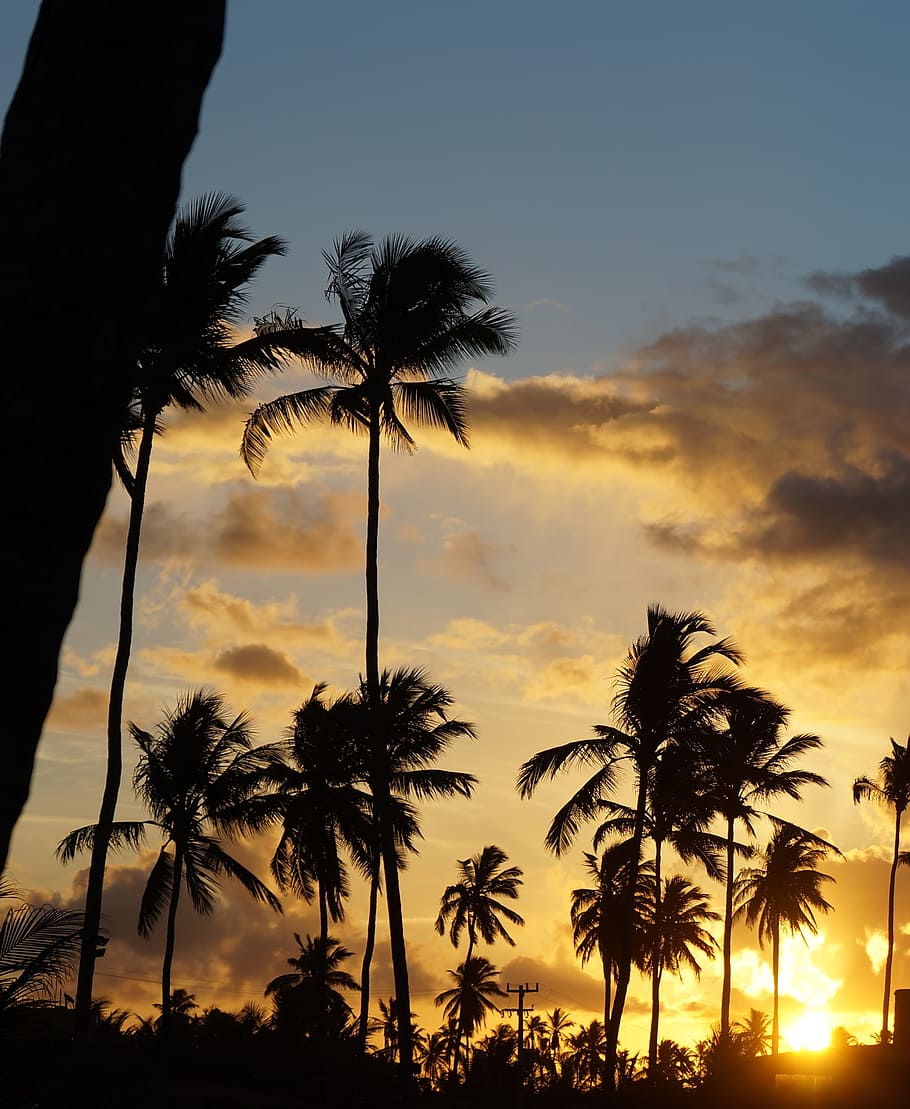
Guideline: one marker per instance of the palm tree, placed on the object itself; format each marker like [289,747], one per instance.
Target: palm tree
[754,1033]
[665,688]
[407,310]
[745,760]
[674,927]
[187,359]
[596,911]
[783,893]
[558,1024]
[469,1001]
[39,949]
[322,805]
[586,1059]
[309,1000]
[471,903]
[197,773]
[892,791]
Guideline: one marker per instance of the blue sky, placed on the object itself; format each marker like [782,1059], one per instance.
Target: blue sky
[685,420]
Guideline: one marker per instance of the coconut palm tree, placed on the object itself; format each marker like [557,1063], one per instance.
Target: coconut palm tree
[409,316]
[188,359]
[558,1024]
[783,894]
[469,1001]
[891,790]
[665,688]
[197,774]
[586,1057]
[471,904]
[596,911]
[39,949]
[674,930]
[323,804]
[309,1001]
[754,1032]
[745,760]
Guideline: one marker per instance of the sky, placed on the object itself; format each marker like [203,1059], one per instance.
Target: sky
[699,215]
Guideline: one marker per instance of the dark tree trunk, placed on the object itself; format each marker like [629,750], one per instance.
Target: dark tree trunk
[82,1016]
[169,943]
[656,967]
[368,948]
[889,958]
[775,974]
[92,150]
[726,989]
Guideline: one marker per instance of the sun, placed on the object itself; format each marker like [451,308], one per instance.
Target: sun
[809,1032]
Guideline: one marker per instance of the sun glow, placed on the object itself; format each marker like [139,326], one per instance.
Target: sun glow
[809,1032]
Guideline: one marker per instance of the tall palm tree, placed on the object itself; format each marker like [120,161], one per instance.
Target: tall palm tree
[471,904]
[309,1000]
[892,791]
[197,774]
[745,760]
[188,358]
[665,687]
[783,893]
[325,809]
[675,932]
[586,1058]
[558,1024]
[408,311]
[596,911]
[469,1001]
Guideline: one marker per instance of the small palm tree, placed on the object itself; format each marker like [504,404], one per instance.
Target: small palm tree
[892,791]
[197,773]
[39,949]
[745,761]
[309,1001]
[674,927]
[188,358]
[783,893]
[471,904]
[409,316]
[469,1002]
[558,1024]
[586,1058]
[753,1033]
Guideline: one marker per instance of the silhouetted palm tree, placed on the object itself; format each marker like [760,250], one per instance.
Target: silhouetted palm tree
[469,1001]
[408,318]
[783,893]
[471,904]
[39,949]
[325,809]
[746,760]
[197,773]
[309,1001]
[585,1059]
[558,1024]
[188,358]
[665,688]
[754,1033]
[892,791]
[674,927]
[597,911]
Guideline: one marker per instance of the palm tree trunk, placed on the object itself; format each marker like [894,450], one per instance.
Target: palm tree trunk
[656,966]
[82,1016]
[726,989]
[775,974]
[607,964]
[323,917]
[625,958]
[368,947]
[170,937]
[372,560]
[889,959]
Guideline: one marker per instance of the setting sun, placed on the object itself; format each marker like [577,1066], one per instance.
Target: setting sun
[810,1032]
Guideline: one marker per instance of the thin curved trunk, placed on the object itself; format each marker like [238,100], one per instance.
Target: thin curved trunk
[657,966]
[368,948]
[372,560]
[775,973]
[625,958]
[82,1017]
[323,917]
[169,940]
[607,964]
[889,959]
[728,937]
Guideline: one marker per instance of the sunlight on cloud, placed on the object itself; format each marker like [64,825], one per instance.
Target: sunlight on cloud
[876,949]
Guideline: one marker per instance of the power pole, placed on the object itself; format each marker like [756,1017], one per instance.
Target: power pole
[521,1010]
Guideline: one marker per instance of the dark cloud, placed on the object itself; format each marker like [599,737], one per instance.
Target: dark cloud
[888,285]
[256,662]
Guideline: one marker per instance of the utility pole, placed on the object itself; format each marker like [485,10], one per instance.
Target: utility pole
[521,1010]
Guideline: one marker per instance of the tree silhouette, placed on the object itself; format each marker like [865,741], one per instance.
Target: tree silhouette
[469,1002]
[407,309]
[783,893]
[309,1001]
[746,760]
[892,791]
[558,1024]
[197,773]
[754,1033]
[188,358]
[471,904]
[665,688]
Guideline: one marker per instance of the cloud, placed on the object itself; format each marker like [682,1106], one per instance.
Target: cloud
[889,285]
[467,557]
[258,663]
[82,710]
